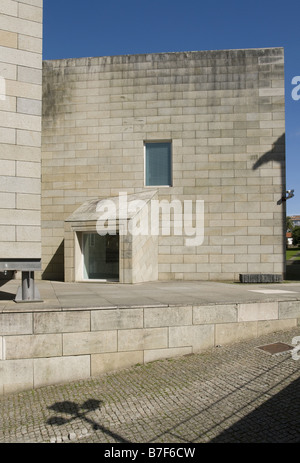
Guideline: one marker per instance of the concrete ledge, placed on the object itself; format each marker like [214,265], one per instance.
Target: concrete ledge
[39,348]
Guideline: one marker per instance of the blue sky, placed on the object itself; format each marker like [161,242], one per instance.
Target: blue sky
[84,28]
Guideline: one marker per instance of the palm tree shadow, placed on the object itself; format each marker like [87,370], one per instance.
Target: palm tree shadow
[74,411]
[276,154]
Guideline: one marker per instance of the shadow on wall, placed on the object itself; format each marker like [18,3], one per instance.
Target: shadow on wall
[277,154]
[55,268]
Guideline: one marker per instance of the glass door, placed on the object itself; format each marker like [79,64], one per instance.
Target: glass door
[100,257]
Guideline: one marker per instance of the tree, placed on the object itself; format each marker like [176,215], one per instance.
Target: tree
[296,236]
[289,224]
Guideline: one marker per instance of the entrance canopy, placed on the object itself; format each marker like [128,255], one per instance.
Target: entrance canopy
[110,239]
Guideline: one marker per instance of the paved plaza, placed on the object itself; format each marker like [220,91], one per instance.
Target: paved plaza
[237,393]
[60,295]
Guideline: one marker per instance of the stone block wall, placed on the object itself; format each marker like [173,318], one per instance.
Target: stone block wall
[223,112]
[20,128]
[44,347]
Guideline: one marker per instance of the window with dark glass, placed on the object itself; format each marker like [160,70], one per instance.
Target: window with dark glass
[158,164]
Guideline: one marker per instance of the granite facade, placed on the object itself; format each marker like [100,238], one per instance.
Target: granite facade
[223,113]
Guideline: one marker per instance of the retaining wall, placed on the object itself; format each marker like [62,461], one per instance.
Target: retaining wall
[39,348]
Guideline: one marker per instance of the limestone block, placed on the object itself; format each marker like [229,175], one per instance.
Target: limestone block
[38,3]
[7,136]
[15,323]
[32,346]
[167,316]
[289,309]
[8,39]
[89,343]
[61,322]
[9,8]
[27,233]
[16,250]
[8,167]
[19,217]
[28,169]
[258,311]
[7,233]
[24,89]
[57,370]
[28,201]
[20,121]
[271,91]
[104,363]
[16,375]
[227,333]
[8,71]
[8,103]
[141,339]
[29,106]
[21,26]
[199,337]
[33,44]
[214,314]
[31,12]
[29,138]
[271,326]
[160,354]
[19,57]
[29,75]
[16,152]
[116,319]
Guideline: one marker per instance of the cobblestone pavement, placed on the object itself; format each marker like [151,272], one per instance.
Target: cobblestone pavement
[235,393]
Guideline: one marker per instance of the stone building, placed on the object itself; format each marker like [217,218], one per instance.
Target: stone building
[149,167]
[201,132]
[201,128]
[20,140]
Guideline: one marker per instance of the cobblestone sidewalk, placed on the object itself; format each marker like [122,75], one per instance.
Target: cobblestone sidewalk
[237,393]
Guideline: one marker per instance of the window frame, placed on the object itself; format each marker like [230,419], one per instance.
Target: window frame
[153,142]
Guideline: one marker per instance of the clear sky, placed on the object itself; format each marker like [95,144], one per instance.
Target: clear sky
[85,28]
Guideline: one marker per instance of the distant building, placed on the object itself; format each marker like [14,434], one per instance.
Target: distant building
[296,220]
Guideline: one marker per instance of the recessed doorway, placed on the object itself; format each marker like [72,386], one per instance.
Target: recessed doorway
[100,257]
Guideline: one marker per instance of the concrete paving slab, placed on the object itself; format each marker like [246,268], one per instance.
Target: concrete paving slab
[62,295]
